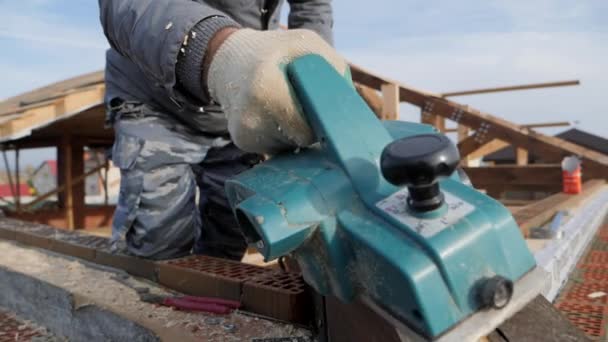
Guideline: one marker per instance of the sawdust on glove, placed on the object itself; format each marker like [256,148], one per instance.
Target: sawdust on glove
[247,77]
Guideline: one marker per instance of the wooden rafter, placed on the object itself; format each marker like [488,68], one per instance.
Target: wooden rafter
[512,88]
[390,107]
[406,93]
[490,147]
[62,188]
[534,125]
[535,174]
[44,112]
[371,97]
[487,126]
[471,144]
[521,156]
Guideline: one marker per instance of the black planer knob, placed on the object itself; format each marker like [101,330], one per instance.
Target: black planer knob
[418,162]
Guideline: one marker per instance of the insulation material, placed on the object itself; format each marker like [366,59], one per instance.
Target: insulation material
[559,256]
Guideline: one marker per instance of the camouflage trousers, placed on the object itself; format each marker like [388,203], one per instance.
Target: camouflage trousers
[162,162]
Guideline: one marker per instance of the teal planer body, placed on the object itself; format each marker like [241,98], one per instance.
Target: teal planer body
[353,233]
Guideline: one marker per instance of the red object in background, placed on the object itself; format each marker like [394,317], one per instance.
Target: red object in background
[188,304]
[193,303]
[571,175]
[5,190]
[572,182]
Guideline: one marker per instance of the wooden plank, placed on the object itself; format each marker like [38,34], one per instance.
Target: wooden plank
[390,96]
[507,175]
[548,124]
[538,321]
[512,88]
[539,213]
[41,115]
[522,156]
[471,144]
[491,126]
[406,93]
[463,133]
[356,322]
[61,188]
[440,123]
[488,126]
[8,173]
[34,143]
[78,189]
[18,181]
[534,125]
[516,202]
[434,120]
[490,147]
[498,191]
[371,97]
[15,103]
[22,109]
[65,172]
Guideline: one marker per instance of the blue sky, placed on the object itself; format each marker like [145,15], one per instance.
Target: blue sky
[434,45]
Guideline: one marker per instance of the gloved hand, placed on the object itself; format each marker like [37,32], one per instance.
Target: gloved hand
[247,77]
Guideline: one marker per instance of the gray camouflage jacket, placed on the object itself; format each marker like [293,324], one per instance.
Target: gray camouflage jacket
[146,37]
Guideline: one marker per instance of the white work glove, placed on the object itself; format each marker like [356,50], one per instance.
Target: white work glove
[247,77]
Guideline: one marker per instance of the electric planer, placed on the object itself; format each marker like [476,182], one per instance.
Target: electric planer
[378,212]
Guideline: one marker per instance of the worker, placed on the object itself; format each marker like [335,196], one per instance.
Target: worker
[196,91]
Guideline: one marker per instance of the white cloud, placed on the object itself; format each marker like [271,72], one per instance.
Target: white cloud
[33,24]
[457,62]
[21,79]
[56,40]
[41,44]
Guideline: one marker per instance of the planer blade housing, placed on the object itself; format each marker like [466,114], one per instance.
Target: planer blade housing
[376,211]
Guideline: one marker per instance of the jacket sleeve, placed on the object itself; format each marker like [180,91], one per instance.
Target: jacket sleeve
[316,15]
[151,32]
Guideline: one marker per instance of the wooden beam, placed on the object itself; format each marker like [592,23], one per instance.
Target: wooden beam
[29,143]
[50,100]
[406,93]
[534,125]
[18,181]
[463,133]
[9,173]
[78,189]
[516,202]
[106,196]
[471,144]
[65,175]
[371,97]
[440,123]
[433,120]
[534,174]
[61,188]
[390,96]
[512,88]
[548,124]
[488,148]
[492,126]
[522,156]
[539,213]
[39,115]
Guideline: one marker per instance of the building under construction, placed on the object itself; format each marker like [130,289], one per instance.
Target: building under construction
[59,277]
